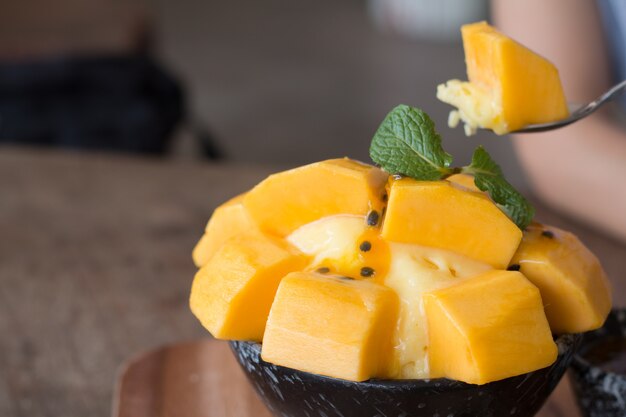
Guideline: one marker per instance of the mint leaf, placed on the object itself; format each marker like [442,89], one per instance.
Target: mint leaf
[488,177]
[406,143]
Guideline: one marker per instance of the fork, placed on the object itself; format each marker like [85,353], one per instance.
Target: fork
[577,111]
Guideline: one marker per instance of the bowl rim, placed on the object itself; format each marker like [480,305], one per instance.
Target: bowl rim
[565,342]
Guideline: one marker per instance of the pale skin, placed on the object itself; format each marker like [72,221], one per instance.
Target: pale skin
[581,169]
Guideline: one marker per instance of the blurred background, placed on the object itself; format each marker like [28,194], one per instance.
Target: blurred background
[273,82]
[124,123]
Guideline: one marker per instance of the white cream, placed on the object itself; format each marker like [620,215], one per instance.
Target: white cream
[415,270]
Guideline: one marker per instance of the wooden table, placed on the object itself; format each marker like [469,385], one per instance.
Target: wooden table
[95,268]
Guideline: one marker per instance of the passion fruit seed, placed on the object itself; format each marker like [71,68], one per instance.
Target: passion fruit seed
[323,270]
[372,218]
[365,246]
[385,197]
[548,234]
[366,271]
[514,267]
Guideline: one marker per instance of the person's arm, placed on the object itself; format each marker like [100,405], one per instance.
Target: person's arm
[580,169]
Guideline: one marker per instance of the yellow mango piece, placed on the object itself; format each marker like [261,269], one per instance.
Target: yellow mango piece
[441,215]
[228,220]
[574,287]
[232,294]
[285,201]
[331,326]
[509,85]
[488,328]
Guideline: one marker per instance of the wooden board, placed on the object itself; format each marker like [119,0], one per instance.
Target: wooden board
[195,379]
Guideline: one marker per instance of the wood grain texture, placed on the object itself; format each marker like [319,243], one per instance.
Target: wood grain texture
[95,267]
[193,379]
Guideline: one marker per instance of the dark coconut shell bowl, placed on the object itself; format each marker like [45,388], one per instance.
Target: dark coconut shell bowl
[291,393]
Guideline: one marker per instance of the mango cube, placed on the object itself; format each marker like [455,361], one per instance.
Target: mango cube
[574,287]
[509,85]
[228,220]
[232,294]
[285,201]
[441,215]
[331,326]
[488,328]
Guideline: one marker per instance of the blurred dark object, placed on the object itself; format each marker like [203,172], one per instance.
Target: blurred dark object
[82,75]
[597,371]
[202,134]
[119,103]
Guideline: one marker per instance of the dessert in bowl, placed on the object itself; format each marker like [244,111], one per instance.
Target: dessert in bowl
[356,288]
[409,287]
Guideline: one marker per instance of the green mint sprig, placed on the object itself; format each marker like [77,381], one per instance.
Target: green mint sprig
[406,143]
[488,177]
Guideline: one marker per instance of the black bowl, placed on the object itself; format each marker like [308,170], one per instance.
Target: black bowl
[291,393]
[600,393]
